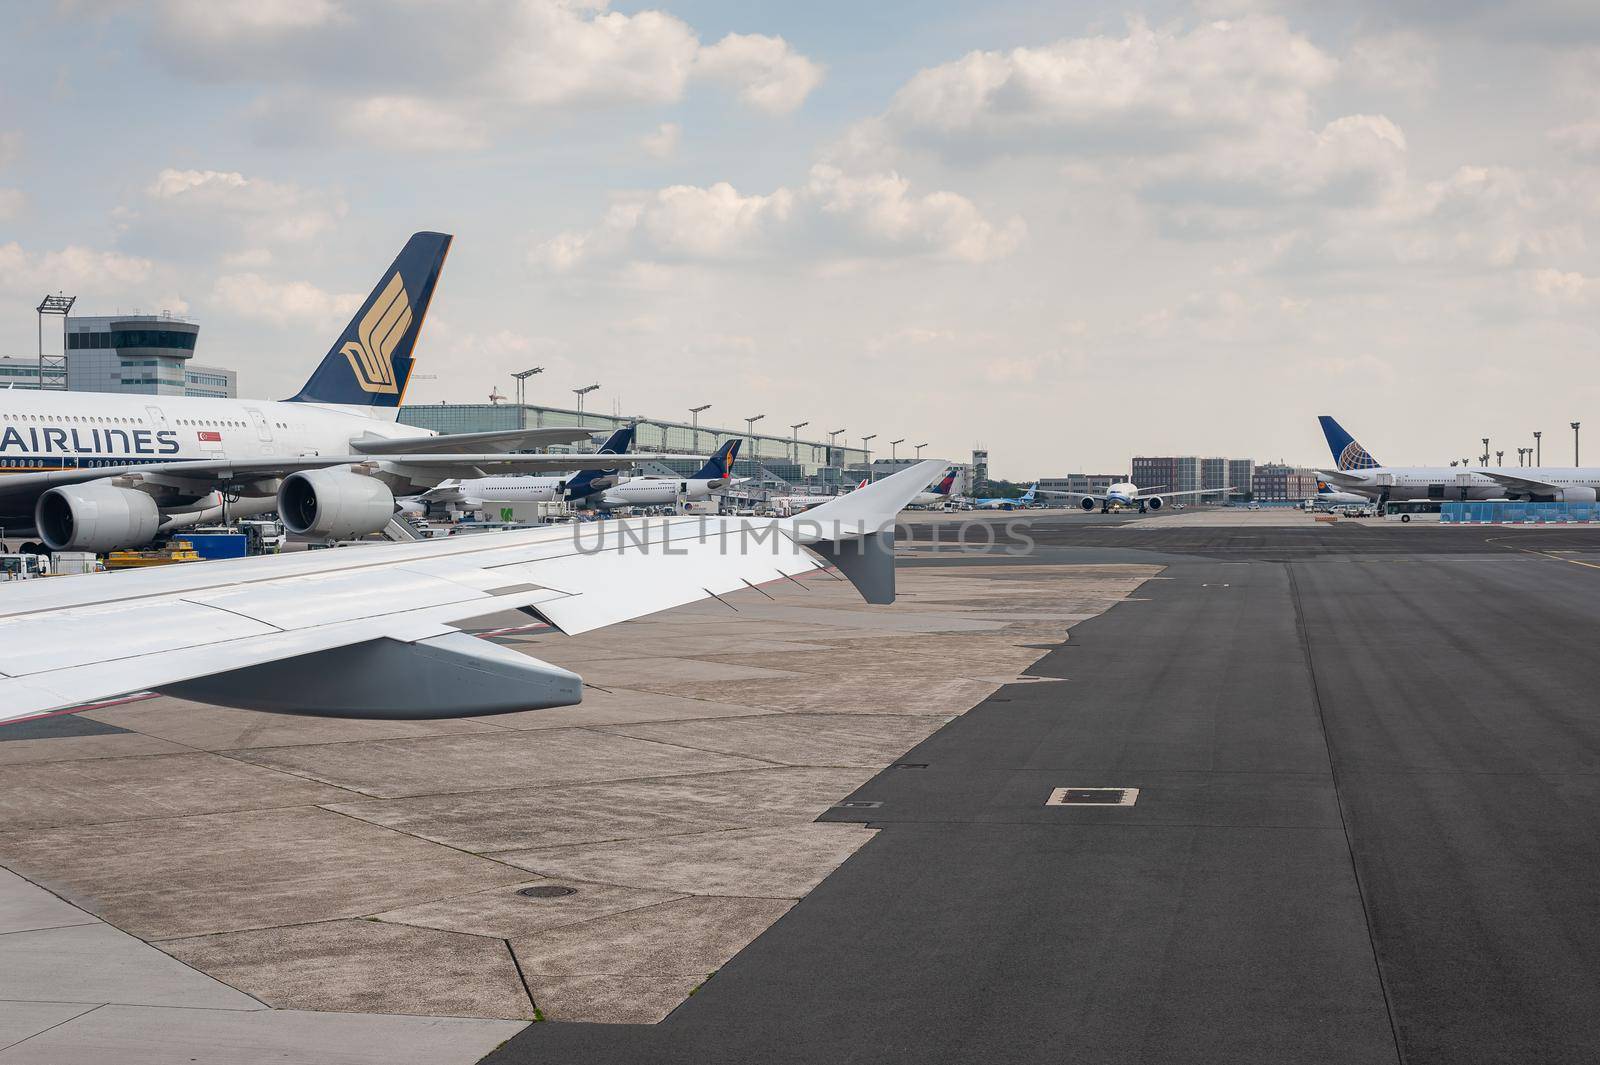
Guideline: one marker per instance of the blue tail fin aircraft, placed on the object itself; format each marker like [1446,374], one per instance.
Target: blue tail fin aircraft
[370,364]
[588,482]
[1347,454]
[720,465]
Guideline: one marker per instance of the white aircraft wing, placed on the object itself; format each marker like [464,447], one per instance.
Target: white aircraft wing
[1529,485]
[370,631]
[1069,495]
[226,473]
[497,440]
[1146,493]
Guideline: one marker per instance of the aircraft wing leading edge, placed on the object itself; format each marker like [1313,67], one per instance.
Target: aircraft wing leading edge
[370,632]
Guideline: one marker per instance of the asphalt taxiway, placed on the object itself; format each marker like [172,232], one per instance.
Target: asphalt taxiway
[1365,828]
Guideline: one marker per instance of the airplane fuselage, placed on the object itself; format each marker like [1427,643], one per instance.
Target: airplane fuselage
[1464,482]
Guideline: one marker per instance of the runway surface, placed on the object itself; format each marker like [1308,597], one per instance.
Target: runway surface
[1366,828]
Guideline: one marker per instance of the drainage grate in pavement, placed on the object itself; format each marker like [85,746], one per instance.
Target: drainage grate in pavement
[858,805]
[910,765]
[547,891]
[1093,797]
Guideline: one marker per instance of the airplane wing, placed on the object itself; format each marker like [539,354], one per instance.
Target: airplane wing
[228,473]
[1342,479]
[1068,495]
[499,440]
[1529,485]
[370,631]
[1146,493]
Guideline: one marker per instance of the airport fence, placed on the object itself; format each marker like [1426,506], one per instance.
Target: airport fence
[1509,512]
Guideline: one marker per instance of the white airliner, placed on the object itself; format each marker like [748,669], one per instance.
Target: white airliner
[1360,473]
[371,631]
[1127,494]
[794,504]
[939,494]
[593,487]
[95,471]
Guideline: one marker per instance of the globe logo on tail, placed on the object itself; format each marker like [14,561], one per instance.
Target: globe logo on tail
[1355,457]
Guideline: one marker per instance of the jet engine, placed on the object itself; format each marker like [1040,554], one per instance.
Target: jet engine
[1086,503]
[335,504]
[95,517]
[1153,502]
[1577,495]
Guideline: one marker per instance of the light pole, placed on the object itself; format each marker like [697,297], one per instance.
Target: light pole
[1575,442]
[866,451]
[1486,451]
[919,448]
[894,449]
[694,420]
[1499,458]
[794,431]
[1538,451]
[580,393]
[522,394]
[750,432]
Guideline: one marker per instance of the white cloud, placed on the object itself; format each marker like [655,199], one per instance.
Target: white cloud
[282,303]
[833,216]
[1403,61]
[663,143]
[765,71]
[264,210]
[1581,140]
[446,77]
[78,270]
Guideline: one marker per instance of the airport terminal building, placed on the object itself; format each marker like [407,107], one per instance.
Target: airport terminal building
[775,460]
[141,354]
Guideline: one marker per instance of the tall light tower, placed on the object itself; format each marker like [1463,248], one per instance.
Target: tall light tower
[750,433]
[794,440]
[894,449]
[919,448]
[1575,442]
[580,393]
[1538,452]
[694,421]
[866,450]
[1499,458]
[1486,451]
[53,372]
[522,394]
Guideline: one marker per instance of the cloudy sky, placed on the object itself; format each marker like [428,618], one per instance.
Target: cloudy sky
[1068,232]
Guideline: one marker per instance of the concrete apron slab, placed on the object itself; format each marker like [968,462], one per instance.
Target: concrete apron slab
[593,863]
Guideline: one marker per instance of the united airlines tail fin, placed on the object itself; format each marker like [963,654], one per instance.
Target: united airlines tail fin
[1347,454]
[720,464]
[370,363]
[582,483]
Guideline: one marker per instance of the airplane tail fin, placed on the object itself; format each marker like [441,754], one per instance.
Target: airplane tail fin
[1347,454]
[947,484]
[720,464]
[370,363]
[582,482]
[1028,496]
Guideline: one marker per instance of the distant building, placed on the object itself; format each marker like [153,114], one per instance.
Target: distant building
[143,354]
[980,470]
[1089,484]
[1188,473]
[1279,482]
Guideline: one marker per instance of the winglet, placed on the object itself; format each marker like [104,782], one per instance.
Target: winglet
[855,532]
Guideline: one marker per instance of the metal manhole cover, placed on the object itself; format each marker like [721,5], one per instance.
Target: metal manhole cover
[858,805]
[547,891]
[1093,797]
[911,765]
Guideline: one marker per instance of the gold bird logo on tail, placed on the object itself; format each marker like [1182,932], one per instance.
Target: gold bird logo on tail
[379,334]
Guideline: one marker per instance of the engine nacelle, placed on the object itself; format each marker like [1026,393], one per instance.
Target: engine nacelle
[95,517]
[1577,495]
[1086,503]
[1154,503]
[335,504]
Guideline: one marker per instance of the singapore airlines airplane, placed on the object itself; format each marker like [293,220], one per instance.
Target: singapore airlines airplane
[371,632]
[95,471]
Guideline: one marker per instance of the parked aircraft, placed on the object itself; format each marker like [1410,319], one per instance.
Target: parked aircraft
[369,632]
[794,504]
[939,494]
[1358,472]
[1007,502]
[570,487]
[714,476]
[1127,494]
[95,471]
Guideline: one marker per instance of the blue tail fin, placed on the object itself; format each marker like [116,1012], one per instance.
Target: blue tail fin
[582,483]
[1027,497]
[370,363]
[1347,454]
[721,463]
[947,485]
